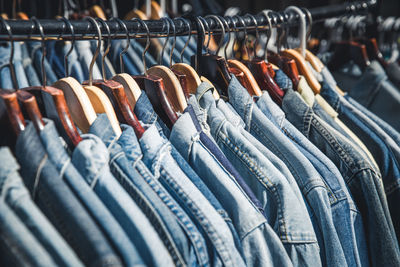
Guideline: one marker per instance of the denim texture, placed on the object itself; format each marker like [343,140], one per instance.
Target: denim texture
[145,112]
[261,245]
[91,158]
[59,204]
[138,48]
[35,51]
[196,112]
[362,179]
[340,218]
[385,150]
[110,226]
[108,67]
[198,249]
[85,56]
[18,246]
[157,157]
[393,72]
[5,74]
[373,90]
[294,228]
[15,194]
[30,72]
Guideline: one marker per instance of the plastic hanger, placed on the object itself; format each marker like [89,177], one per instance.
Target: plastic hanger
[78,102]
[299,57]
[192,78]
[116,93]
[172,86]
[52,102]
[154,87]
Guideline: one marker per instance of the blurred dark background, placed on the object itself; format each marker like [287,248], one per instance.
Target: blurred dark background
[50,8]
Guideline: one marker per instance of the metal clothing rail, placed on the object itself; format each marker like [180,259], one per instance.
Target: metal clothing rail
[26,30]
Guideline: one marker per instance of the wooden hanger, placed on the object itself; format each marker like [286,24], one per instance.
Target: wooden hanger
[345,52]
[10,115]
[215,92]
[156,12]
[30,106]
[287,65]
[252,86]
[192,78]
[373,50]
[313,60]
[116,92]
[154,88]
[97,12]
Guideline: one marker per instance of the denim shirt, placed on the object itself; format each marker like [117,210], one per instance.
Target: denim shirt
[5,74]
[340,218]
[61,160]
[385,150]
[362,179]
[18,246]
[145,112]
[27,63]
[59,204]
[157,157]
[294,226]
[131,147]
[85,56]
[373,90]
[15,194]
[35,51]
[91,158]
[261,245]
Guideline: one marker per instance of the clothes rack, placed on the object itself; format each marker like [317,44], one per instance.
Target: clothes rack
[25,29]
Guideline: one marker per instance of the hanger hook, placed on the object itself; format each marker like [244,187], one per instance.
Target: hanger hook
[219,21]
[165,22]
[128,43]
[228,29]
[235,35]
[105,52]
[241,20]
[96,54]
[189,36]
[257,34]
[174,43]
[302,27]
[266,13]
[310,22]
[44,52]
[142,23]
[11,62]
[205,27]
[67,22]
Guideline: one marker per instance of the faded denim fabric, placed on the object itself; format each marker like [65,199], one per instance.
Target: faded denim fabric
[199,117]
[85,56]
[18,246]
[261,245]
[59,204]
[108,67]
[35,51]
[362,179]
[27,63]
[15,194]
[138,48]
[5,74]
[91,158]
[373,90]
[269,185]
[145,112]
[340,217]
[157,157]
[385,150]
[110,226]
[393,72]
[131,65]
[131,147]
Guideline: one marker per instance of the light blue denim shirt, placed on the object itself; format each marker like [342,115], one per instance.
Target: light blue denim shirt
[156,155]
[285,212]
[61,160]
[85,57]
[91,158]
[17,197]
[261,245]
[18,244]
[340,218]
